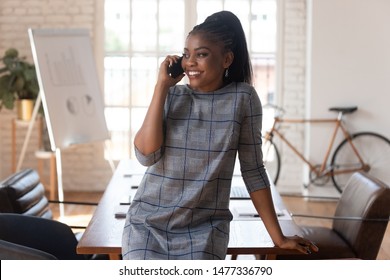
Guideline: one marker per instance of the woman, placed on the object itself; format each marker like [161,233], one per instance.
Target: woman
[189,139]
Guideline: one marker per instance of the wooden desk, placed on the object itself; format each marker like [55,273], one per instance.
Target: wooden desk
[104,232]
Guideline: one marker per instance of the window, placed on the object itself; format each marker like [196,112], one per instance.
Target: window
[140,33]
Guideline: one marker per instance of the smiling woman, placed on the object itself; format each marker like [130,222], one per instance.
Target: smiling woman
[205,64]
[132,59]
[189,140]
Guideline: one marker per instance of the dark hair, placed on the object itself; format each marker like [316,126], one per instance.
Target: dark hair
[226,28]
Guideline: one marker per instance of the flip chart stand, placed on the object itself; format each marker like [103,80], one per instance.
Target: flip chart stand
[57,153]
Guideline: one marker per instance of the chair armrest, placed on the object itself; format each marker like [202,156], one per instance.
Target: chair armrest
[339,218]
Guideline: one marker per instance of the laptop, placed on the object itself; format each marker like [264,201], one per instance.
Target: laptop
[239,192]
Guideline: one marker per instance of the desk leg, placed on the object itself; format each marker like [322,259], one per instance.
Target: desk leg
[115,257]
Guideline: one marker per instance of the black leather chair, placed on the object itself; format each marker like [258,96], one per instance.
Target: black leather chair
[23,193]
[52,237]
[28,220]
[13,251]
[359,223]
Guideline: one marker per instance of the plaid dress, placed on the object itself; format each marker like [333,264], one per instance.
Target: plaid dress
[181,208]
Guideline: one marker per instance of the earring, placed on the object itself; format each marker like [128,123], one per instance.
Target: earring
[227,72]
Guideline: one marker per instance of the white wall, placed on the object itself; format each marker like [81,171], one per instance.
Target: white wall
[349,64]
[291,85]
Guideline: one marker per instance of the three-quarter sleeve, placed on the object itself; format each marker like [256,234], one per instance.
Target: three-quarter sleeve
[249,149]
[150,159]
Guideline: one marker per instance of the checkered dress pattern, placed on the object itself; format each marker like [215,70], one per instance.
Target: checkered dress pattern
[181,208]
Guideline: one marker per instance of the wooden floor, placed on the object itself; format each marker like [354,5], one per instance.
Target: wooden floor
[80,215]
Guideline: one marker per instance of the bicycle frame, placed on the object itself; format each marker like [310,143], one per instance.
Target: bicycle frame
[323,170]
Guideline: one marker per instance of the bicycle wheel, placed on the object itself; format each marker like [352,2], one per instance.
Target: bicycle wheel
[375,152]
[271,159]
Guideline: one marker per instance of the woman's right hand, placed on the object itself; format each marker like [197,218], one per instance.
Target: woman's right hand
[164,79]
[149,137]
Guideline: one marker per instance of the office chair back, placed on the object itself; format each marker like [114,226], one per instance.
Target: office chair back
[13,251]
[47,235]
[358,226]
[23,193]
[368,199]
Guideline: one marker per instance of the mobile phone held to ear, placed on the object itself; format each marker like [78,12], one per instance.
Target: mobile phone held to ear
[175,69]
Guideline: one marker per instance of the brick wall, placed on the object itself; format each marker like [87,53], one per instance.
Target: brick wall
[292,88]
[84,167]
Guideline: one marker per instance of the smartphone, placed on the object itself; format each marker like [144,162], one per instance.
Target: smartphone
[175,69]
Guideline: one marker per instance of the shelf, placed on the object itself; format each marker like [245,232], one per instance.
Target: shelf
[41,154]
[21,123]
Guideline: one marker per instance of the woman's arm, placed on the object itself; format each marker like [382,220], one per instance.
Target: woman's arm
[149,137]
[256,179]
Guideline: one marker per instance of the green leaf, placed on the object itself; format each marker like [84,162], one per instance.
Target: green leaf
[19,83]
[11,52]
[5,81]
[9,62]
[33,88]
[29,74]
[8,101]
[18,79]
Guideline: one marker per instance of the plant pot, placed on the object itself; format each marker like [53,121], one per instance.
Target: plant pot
[24,109]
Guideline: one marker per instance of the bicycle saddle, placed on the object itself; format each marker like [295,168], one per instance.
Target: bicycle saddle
[344,110]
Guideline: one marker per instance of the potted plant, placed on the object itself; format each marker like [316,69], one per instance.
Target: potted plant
[18,84]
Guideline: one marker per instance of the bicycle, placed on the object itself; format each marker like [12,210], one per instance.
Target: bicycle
[360,151]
